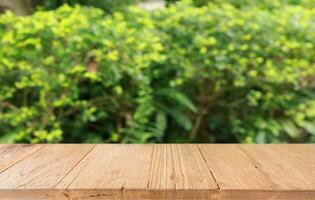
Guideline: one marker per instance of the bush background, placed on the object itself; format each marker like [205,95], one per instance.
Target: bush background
[201,71]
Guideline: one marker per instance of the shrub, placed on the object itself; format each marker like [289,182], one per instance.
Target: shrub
[248,71]
[76,75]
[262,4]
[206,74]
[106,5]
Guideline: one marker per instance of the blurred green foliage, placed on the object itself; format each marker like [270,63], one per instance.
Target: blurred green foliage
[215,73]
[262,4]
[106,5]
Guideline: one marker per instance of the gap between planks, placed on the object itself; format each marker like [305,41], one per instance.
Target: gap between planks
[18,160]
[161,163]
[232,168]
[204,159]
[74,167]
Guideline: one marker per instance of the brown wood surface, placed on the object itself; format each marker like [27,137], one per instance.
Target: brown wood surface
[12,154]
[157,171]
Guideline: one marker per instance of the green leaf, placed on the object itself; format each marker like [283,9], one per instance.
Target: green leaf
[291,129]
[160,124]
[7,138]
[309,127]
[261,137]
[181,119]
[180,98]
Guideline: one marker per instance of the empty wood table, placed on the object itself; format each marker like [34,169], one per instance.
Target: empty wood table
[157,171]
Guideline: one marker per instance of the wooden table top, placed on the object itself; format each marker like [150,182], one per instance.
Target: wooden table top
[157,171]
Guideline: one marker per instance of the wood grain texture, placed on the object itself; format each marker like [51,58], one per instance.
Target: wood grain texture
[285,167]
[233,169]
[262,171]
[288,169]
[159,171]
[12,154]
[41,171]
[179,171]
[111,172]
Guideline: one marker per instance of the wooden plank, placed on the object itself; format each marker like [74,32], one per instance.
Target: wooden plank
[159,171]
[32,194]
[232,168]
[178,171]
[289,168]
[12,154]
[236,173]
[41,171]
[260,171]
[111,171]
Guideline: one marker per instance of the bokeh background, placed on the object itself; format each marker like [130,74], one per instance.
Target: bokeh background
[125,71]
